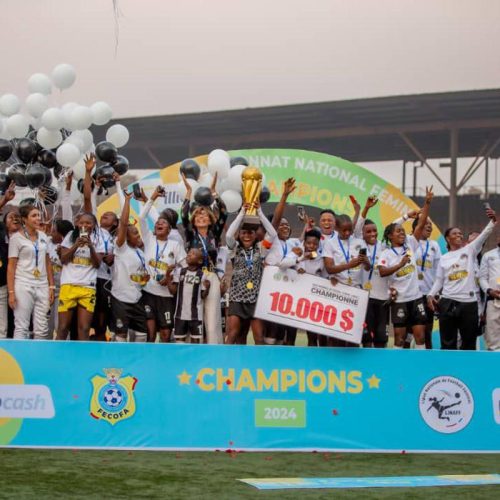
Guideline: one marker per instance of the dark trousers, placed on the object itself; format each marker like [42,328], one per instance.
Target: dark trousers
[458,317]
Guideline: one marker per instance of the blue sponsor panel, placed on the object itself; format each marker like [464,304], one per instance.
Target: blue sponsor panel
[246,397]
[290,483]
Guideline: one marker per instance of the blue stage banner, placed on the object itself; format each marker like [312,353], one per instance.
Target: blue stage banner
[200,397]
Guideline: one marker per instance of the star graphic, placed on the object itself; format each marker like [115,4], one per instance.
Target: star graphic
[373,382]
[184,378]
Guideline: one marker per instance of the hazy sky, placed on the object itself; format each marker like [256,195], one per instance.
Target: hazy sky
[198,55]
[195,55]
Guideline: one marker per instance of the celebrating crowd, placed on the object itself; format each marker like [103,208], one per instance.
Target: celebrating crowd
[198,281]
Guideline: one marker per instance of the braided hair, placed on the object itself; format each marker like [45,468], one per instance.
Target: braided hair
[387,232]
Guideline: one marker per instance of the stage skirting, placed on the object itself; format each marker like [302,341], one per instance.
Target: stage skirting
[182,397]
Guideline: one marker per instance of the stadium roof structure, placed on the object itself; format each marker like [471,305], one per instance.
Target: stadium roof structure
[407,128]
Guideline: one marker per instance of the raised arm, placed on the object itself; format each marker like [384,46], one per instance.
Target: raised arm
[9,195]
[371,201]
[288,189]
[478,243]
[234,227]
[422,219]
[121,236]
[87,184]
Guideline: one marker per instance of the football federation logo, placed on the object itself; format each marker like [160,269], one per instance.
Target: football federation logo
[113,397]
[446,404]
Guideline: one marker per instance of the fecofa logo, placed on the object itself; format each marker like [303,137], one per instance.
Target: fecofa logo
[446,404]
[496,405]
[26,401]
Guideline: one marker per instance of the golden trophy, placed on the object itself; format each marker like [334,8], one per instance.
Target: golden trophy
[251,187]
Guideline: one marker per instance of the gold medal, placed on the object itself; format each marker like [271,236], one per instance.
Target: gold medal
[420,276]
[1,263]
[36,273]
[250,285]
[349,281]
[368,285]
[205,269]
[314,255]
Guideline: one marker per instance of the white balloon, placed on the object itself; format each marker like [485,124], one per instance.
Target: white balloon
[101,112]
[234,177]
[36,104]
[67,109]
[53,119]
[68,154]
[17,126]
[81,118]
[36,123]
[9,104]
[63,76]
[117,135]
[76,141]
[206,180]
[48,139]
[39,82]
[86,137]
[4,133]
[79,170]
[219,162]
[232,200]
[222,186]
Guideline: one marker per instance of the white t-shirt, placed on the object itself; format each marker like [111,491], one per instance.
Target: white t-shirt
[25,250]
[427,257]
[324,238]
[222,258]
[405,280]
[159,256]
[456,273]
[378,286]
[489,272]
[55,261]
[280,253]
[175,235]
[108,241]
[313,266]
[342,251]
[80,270]
[127,270]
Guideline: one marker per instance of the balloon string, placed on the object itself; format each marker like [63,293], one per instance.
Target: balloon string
[117,14]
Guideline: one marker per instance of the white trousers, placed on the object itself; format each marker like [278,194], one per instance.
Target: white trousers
[211,311]
[53,316]
[31,302]
[3,311]
[492,331]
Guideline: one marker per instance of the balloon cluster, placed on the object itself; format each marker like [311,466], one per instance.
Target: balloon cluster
[228,184]
[46,139]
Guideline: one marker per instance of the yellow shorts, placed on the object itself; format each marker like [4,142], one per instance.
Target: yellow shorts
[71,296]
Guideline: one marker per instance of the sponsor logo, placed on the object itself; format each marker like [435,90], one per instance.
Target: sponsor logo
[496,405]
[446,404]
[113,396]
[26,401]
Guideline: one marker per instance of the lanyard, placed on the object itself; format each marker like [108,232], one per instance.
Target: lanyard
[35,246]
[372,263]
[106,245]
[404,251]
[158,254]
[424,255]
[249,260]
[284,246]
[141,258]
[347,254]
[204,250]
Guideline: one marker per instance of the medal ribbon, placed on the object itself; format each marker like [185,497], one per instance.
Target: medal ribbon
[285,249]
[424,255]
[404,251]
[158,254]
[372,263]
[204,249]
[35,246]
[141,258]
[249,260]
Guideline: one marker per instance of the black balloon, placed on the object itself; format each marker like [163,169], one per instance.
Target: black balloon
[48,176]
[106,151]
[203,196]
[4,182]
[5,149]
[17,173]
[105,174]
[27,201]
[47,158]
[239,160]
[120,165]
[36,175]
[58,170]
[80,183]
[190,169]
[26,150]
[49,195]
[265,194]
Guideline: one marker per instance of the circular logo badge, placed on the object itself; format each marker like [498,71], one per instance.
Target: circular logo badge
[446,404]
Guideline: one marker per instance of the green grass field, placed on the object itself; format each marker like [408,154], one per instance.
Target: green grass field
[121,474]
